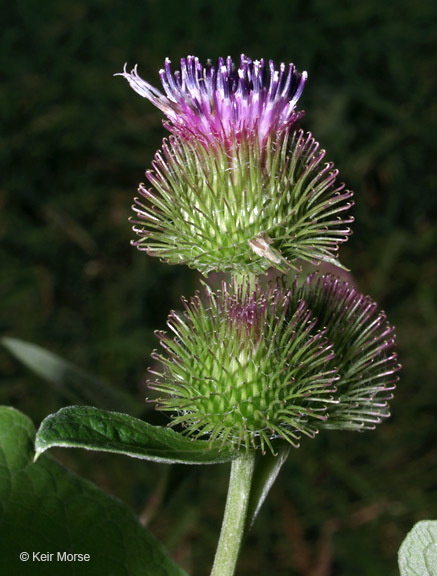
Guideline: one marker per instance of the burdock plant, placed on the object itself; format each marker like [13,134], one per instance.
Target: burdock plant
[237,187]
[249,368]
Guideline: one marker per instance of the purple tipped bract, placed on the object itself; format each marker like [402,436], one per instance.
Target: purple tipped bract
[216,103]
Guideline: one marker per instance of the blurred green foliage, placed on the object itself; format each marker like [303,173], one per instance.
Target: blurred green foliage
[74,144]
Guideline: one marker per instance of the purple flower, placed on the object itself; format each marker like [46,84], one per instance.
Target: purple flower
[220,103]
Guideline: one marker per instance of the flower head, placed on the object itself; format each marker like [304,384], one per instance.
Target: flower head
[223,102]
[246,367]
[237,186]
[254,366]
[364,346]
[246,211]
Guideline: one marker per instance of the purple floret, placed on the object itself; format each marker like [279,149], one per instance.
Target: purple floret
[220,103]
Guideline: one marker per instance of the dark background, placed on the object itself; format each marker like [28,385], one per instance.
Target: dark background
[75,142]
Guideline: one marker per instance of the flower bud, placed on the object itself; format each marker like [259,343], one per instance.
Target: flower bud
[246,367]
[254,366]
[363,342]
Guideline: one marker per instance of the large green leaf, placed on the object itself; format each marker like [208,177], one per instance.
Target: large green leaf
[46,509]
[72,382]
[94,429]
[418,552]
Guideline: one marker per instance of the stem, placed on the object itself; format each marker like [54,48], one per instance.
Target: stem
[234,520]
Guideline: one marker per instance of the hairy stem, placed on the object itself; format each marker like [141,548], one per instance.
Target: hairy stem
[234,520]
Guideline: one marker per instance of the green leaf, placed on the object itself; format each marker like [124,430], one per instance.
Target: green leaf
[418,552]
[267,469]
[47,509]
[94,429]
[72,382]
